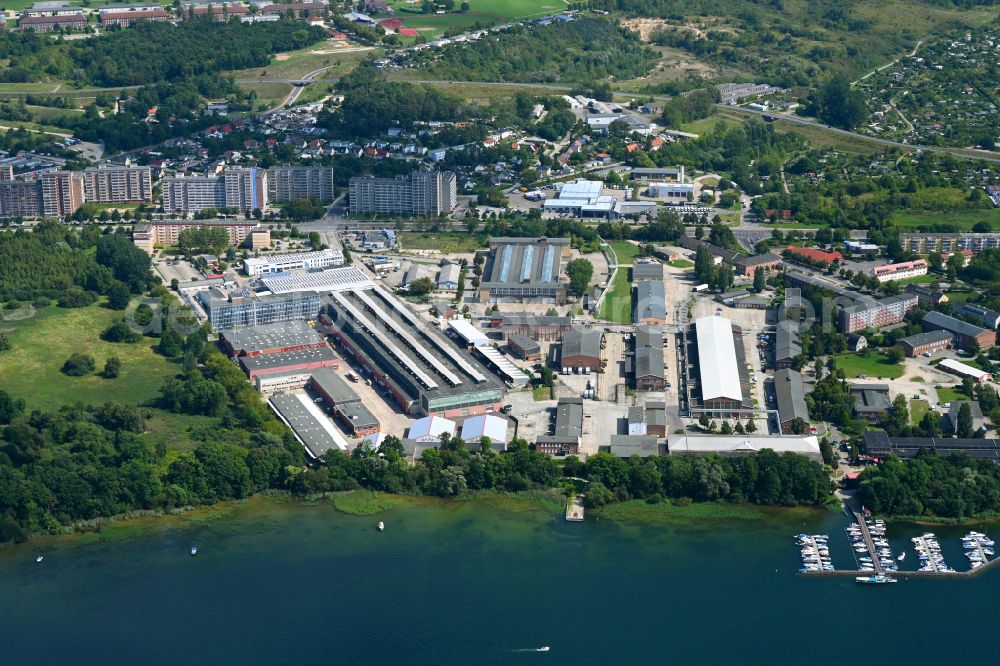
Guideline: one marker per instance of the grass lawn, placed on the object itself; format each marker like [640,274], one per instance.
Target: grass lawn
[963,219]
[962,296]
[917,410]
[682,263]
[874,366]
[540,393]
[268,94]
[447,242]
[920,279]
[176,431]
[617,304]
[950,394]
[40,345]
[708,125]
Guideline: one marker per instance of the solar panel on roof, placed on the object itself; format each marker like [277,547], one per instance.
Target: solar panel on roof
[527,263]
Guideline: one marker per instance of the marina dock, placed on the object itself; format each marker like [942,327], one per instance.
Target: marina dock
[877,561]
[866,535]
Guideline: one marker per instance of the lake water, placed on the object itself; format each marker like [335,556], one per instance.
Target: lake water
[476,583]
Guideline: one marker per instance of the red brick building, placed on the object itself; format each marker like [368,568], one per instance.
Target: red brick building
[813,254]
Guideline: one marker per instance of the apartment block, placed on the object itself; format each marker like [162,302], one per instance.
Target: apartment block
[118,184]
[166,232]
[238,188]
[62,193]
[289,183]
[875,314]
[420,193]
[20,198]
[949,242]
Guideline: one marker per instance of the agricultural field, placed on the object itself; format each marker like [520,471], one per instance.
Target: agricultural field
[40,344]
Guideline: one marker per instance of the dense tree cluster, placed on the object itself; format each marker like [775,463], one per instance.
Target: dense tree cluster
[55,262]
[932,486]
[151,52]
[451,469]
[587,49]
[372,105]
[761,478]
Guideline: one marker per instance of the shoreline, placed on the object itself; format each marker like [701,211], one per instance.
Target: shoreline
[127,527]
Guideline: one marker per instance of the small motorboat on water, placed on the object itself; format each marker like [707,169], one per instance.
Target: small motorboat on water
[39,558]
[381,527]
[902,556]
[194,550]
[544,648]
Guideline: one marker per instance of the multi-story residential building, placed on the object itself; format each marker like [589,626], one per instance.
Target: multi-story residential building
[20,198]
[189,194]
[296,9]
[47,17]
[949,242]
[875,314]
[420,193]
[246,188]
[900,271]
[926,296]
[221,11]
[979,314]
[166,232]
[243,189]
[62,193]
[288,183]
[239,309]
[118,184]
[126,15]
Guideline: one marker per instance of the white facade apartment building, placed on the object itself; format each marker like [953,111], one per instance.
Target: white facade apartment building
[244,189]
[289,183]
[420,193]
[901,271]
[118,184]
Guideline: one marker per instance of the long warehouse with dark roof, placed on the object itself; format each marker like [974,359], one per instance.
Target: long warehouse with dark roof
[423,370]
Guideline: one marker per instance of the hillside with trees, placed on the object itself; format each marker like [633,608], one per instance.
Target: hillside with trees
[584,50]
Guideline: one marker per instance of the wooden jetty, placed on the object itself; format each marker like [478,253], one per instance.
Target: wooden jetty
[574,509]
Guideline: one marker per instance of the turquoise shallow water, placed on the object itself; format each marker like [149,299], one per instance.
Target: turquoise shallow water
[468,582]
